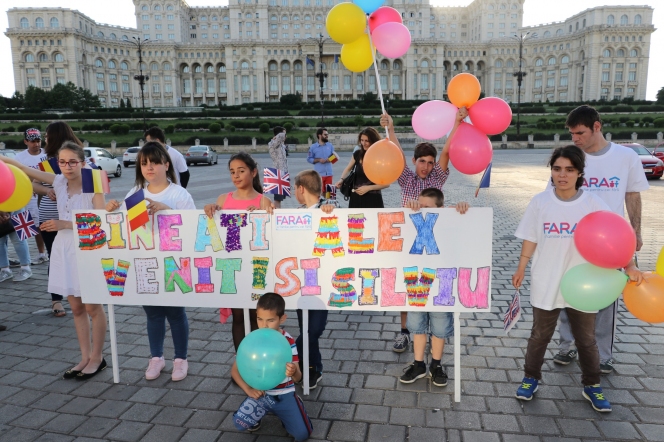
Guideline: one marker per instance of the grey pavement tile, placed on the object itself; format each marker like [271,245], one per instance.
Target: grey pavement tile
[172,416]
[578,428]
[336,411]
[386,433]
[500,423]
[520,438]
[18,434]
[164,433]
[129,431]
[335,394]
[428,434]
[54,437]
[480,436]
[206,419]
[111,409]
[367,396]
[64,423]
[654,433]
[462,420]
[348,431]
[237,437]
[210,401]
[95,427]
[80,405]
[538,425]
[372,413]
[177,398]
[24,397]
[618,430]
[200,435]
[141,412]
[470,403]
[402,399]
[34,419]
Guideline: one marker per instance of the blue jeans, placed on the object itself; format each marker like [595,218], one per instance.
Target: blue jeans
[317,323]
[288,408]
[439,324]
[21,248]
[177,319]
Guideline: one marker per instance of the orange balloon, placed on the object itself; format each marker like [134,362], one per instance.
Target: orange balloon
[646,301]
[383,162]
[464,90]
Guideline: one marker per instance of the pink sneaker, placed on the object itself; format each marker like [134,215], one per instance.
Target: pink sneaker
[154,368]
[180,367]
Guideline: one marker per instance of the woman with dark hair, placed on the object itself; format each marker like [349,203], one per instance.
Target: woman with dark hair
[366,194]
[547,230]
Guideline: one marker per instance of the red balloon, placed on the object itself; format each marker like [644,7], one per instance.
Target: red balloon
[491,115]
[383,162]
[8,182]
[605,239]
[470,150]
[384,14]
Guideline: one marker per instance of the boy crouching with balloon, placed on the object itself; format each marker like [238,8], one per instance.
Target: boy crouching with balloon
[258,366]
[554,253]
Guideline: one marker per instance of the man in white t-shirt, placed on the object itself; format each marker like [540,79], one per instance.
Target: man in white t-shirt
[179,163]
[615,174]
[31,157]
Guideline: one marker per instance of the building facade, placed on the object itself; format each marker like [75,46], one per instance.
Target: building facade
[253,51]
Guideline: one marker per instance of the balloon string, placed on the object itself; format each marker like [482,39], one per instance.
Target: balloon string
[380,90]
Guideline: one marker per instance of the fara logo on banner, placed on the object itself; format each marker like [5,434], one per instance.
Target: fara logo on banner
[294,221]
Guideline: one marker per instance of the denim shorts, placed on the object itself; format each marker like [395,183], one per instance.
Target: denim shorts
[440,324]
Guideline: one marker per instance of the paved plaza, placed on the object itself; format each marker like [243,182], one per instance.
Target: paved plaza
[359,398]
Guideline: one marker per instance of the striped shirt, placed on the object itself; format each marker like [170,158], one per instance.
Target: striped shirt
[287,385]
[412,185]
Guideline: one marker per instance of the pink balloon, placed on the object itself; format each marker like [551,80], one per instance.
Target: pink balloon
[8,182]
[391,39]
[470,150]
[605,239]
[384,14]
[491,115]
[434,119]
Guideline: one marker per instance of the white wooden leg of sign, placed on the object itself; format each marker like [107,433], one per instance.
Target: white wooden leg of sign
[305,352]
[457,357]
[114,344]
[247,322]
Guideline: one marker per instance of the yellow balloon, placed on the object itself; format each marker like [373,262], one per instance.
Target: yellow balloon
[345,23]
[22,193]
[358,55]
[659,268]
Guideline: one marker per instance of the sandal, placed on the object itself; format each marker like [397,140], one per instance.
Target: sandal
[58,312]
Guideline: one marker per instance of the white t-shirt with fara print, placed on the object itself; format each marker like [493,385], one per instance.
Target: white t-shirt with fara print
[550,223]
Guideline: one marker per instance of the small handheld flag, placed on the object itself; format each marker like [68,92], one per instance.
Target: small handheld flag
[485,182]
[24,225]
[95,181]
[513,313]
[333,158]
[276,182]
[330,192]
[137,210]
[50,166]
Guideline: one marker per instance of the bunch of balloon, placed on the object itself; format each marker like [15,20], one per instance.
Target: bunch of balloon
[607,241]
[646,301]
[16,189]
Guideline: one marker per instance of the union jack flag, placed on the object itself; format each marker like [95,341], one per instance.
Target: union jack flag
[276,182]
[330,192]
[24,225]
[513,313]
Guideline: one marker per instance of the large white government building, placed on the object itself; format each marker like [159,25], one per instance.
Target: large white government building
[257,50]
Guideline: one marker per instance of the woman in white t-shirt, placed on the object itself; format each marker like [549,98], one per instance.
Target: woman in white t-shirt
[547,230]
[156,176]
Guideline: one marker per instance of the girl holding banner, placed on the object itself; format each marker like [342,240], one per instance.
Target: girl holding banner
[63,274]
[155,178]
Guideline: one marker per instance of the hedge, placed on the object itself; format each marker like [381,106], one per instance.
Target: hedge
[23,117]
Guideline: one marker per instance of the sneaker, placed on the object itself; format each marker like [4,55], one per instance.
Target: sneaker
[438,376]
[594,394]
[605,368]
[314,378]
[565,357]
[6,274]
[14,263]
[23,274]
[42,259]
[413,372]
[401,342]
[154,368]
[180,367]
[255,427]
[527,389]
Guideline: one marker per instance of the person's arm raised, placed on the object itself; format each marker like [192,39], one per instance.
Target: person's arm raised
[34,174]
[387,122]
[444,159]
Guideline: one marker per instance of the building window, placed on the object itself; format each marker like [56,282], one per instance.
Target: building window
[55,23]
[39,23]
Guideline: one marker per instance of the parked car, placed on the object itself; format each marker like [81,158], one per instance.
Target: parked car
[658,151]
[652,166]
[8,153]
[129,156]
[104,160]
[201,154]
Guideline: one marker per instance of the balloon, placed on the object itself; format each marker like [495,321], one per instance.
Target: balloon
[605,239]
[8,182]
[659,267]
[262,357]
[588,288]
[646,301]
[391,39]
[357,56]
[434,119]
[345,23]
[22,192]
[491,115]
[470,150]
[384,14]
[369,6]
[464,90]
[383,162]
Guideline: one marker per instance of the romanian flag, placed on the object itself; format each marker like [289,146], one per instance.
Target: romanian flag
[95,181]
[137,210]
[333,158]
[50,166]
[485,182]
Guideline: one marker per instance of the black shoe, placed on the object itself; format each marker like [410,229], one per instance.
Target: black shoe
[438,376]
[83,376]
[14,263]
[3,327]
[565,357]
[314,377]
[255,427]
[71,374]
[413,372]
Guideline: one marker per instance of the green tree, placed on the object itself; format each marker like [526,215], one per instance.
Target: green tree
[35,99]
[369,97]
[62,96]
[291,99]
[86,99]
[122,105]
[660,96]
[128,103]
[264,128]
[215,128]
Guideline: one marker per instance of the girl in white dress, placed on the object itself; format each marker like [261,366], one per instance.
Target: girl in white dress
[63,273]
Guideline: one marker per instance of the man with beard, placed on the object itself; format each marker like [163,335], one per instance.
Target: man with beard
[322,156]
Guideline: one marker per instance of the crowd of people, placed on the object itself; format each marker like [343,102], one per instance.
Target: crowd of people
[567,198]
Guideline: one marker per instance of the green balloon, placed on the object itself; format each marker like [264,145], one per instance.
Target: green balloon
[588,288]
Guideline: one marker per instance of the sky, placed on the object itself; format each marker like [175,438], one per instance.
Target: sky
[122,14]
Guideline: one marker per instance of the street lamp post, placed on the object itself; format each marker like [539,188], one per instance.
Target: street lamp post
[320,40]
[520,75]
[142,79]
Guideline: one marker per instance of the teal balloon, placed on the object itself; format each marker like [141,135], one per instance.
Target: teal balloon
[369,6]
[587,287]
[262,357]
